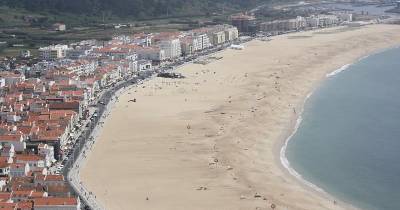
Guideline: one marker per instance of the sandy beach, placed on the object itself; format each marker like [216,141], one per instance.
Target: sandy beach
[213,139]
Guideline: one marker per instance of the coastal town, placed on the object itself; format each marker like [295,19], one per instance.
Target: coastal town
[49,108]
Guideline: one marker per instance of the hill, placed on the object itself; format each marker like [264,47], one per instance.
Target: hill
[139,9]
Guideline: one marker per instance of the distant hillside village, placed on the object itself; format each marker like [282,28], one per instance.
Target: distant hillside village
[46,105]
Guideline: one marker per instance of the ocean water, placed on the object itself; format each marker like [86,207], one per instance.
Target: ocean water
[348,142]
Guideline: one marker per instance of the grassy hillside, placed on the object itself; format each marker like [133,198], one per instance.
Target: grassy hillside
[139,9]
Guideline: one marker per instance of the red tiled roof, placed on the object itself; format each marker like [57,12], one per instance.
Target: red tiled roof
[26,158]
[4,196]
[7,206]
[49,177]
[10,137]
[65,105]
[25,205]
[53,201]
[17,165]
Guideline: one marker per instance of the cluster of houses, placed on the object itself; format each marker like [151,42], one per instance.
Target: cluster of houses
[43,106]
[37,116]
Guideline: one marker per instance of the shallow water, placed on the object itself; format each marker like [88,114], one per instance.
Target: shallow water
[348,142]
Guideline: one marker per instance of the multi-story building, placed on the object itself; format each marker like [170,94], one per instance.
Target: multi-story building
[231,33]
[79,52]
[299,23]
[217,37]
[244,23]
[151,53]
[82,67]
[195,41]
[171,47]
[53,52]
[328,20]
[47,152]
[344,16]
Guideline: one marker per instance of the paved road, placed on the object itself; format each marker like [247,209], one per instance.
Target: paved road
[87,138]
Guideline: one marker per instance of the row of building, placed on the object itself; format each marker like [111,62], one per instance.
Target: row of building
[154,46]
[248,24]
[300,23]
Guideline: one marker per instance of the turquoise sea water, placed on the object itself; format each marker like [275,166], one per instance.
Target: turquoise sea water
[348,143]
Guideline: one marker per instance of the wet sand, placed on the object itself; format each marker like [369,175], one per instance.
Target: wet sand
[212,140]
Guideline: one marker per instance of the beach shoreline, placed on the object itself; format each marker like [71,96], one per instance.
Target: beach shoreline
[291,131]
[296,122]
[275,146]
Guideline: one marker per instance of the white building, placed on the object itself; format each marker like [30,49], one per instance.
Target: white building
[82,67]
[53,52]
[79,52]
[328,20]
[47,152]
[217,37]
[144,65]
[19,169]
[201,42]
[59,27]
[171,47]
[312,21]
[151,53]
[231,33]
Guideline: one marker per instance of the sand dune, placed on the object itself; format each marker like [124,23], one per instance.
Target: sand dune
[212,140]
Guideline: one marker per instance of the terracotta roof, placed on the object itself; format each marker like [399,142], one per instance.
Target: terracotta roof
[49,178]
[65,105]
[53,201]
[26,158]
[10,137]
[4,162]
[7,206]
[58,188]
[5,196]
[25,205]
[17,165]
[27,194]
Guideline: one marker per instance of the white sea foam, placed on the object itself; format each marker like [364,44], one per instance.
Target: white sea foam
[344,67]
[337,71]
[285,162]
